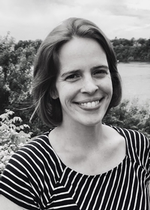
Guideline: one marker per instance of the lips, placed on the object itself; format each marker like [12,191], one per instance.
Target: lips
[90,104]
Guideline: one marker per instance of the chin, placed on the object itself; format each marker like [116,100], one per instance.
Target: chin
[90,122]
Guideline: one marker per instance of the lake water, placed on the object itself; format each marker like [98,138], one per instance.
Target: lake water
[135,81]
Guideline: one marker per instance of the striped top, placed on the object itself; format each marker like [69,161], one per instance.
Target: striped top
[36,178]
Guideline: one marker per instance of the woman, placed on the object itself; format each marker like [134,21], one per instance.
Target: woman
[82,163]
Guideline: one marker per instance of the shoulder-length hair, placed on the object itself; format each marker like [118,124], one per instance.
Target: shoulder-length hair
[46,67]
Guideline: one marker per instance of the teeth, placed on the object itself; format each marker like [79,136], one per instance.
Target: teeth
[90,104]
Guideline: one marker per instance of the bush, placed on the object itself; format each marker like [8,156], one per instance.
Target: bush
[13,134]
[130,115]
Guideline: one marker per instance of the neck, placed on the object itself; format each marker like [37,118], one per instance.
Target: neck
[81,136]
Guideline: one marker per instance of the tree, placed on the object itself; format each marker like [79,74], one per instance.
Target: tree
[16,67]
[6,55]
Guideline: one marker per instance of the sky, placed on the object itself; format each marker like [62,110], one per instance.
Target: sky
[34,19]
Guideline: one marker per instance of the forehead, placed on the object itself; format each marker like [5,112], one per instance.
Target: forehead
[76,43]
[82,51]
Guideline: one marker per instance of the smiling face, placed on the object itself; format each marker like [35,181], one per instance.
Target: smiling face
[84,84]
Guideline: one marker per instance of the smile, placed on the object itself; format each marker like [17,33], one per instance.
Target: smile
[91,104]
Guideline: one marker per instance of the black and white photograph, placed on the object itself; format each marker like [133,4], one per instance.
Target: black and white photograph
[74,105]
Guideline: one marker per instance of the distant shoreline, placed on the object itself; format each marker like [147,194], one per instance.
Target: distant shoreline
[147,62]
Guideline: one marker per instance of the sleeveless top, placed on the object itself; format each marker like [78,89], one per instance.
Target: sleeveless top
[36,178]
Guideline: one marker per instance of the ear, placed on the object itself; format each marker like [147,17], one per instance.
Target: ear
[54,93]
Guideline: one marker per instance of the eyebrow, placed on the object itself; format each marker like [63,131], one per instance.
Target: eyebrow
[78,70]
[101,67]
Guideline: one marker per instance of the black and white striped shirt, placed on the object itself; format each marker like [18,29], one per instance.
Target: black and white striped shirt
[36,178]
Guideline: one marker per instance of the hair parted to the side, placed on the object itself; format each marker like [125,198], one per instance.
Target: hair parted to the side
[46,67]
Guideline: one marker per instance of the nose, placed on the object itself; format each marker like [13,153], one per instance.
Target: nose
[89,86]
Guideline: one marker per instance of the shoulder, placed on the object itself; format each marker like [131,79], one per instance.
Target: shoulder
[32,157]
[30,170]
[37,145]
[137,138]
[137,143]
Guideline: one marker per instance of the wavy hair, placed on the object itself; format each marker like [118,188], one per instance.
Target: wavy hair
[46,67]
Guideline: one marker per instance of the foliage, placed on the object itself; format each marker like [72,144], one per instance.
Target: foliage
[16,67]
[13,134]
[130,115]
[132,50]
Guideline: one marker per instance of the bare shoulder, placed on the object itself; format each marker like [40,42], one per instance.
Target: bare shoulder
[116,139]
[111,132]
[6,204]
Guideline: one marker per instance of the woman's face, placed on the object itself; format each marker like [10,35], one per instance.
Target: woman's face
[84,84]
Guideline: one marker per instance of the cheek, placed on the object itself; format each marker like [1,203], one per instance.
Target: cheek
[66,89]
[107,85]
[64,93]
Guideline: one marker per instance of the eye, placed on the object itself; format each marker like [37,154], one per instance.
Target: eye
[100,72]
[72,77]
